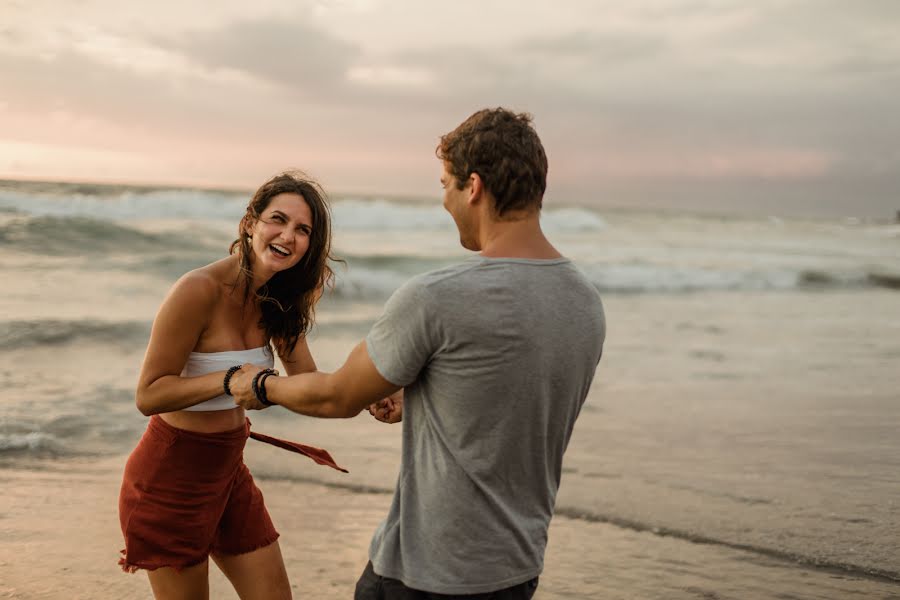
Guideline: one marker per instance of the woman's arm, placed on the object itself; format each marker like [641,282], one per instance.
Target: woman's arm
[182,318]
[300,360]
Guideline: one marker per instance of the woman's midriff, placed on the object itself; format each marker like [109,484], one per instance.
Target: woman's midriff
[210,421]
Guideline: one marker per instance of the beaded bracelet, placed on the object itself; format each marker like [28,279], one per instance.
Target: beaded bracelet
[255,385]
[263,395]
[231,371]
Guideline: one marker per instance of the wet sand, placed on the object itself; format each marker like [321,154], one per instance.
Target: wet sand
[59,538]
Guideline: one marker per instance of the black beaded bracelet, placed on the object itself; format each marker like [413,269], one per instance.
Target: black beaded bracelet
[263,394]
[231,371]
[255,384]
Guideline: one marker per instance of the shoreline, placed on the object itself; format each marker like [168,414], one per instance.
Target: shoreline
[802,562]
[73,535]
[577,514]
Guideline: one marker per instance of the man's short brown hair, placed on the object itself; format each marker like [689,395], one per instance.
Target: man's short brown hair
[504,149]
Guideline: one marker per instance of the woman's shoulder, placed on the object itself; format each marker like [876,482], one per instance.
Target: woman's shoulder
[203,286]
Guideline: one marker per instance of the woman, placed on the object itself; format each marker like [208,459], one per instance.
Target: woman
[187,494]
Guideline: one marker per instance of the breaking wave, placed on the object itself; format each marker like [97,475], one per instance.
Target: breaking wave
[75,235]
[378,277]
[51,332]
[120,203]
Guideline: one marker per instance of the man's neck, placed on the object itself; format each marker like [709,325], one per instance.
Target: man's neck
[516,238]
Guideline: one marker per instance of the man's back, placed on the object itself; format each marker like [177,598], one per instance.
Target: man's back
[496,355]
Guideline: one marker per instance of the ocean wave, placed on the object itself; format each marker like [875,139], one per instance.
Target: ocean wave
[377,277]
[571,220]
[116,203]
[51,332]
[368,284]
[406,263]
[33,442]
[124,203]
[384,215]
[381,215]
[76,235]
[90,422]
[658,279]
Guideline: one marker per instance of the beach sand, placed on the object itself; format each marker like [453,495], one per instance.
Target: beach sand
[59,538]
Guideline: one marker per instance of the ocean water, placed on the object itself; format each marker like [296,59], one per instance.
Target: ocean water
[749,394]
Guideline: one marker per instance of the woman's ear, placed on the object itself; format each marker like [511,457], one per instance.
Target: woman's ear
[247,227]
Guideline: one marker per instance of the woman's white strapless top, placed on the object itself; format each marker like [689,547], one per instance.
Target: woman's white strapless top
[201,363]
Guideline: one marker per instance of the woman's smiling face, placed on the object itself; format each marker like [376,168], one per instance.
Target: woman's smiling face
[281,233]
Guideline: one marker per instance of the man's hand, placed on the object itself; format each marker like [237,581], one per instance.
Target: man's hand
[241,385]
[390,409]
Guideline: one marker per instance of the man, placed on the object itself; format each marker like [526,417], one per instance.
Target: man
[495,356]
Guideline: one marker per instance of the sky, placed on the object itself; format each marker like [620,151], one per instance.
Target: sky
[773,105]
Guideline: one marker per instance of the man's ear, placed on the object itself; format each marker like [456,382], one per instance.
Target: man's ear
[476,188]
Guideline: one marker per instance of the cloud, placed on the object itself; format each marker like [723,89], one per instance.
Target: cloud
[279,50]
[600,47]
[659,90]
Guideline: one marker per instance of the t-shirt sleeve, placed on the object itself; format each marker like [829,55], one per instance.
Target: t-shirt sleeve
[403,339]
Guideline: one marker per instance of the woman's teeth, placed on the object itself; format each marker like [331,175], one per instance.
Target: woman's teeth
[280,250]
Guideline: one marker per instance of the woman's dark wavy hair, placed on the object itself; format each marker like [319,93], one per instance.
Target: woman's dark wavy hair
[288,299]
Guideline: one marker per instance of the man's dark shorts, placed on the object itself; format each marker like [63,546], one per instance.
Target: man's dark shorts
[372,586]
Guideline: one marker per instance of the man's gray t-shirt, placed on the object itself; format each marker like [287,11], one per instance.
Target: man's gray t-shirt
[496,356]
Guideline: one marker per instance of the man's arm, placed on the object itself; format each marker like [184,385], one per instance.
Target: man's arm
[342,394]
